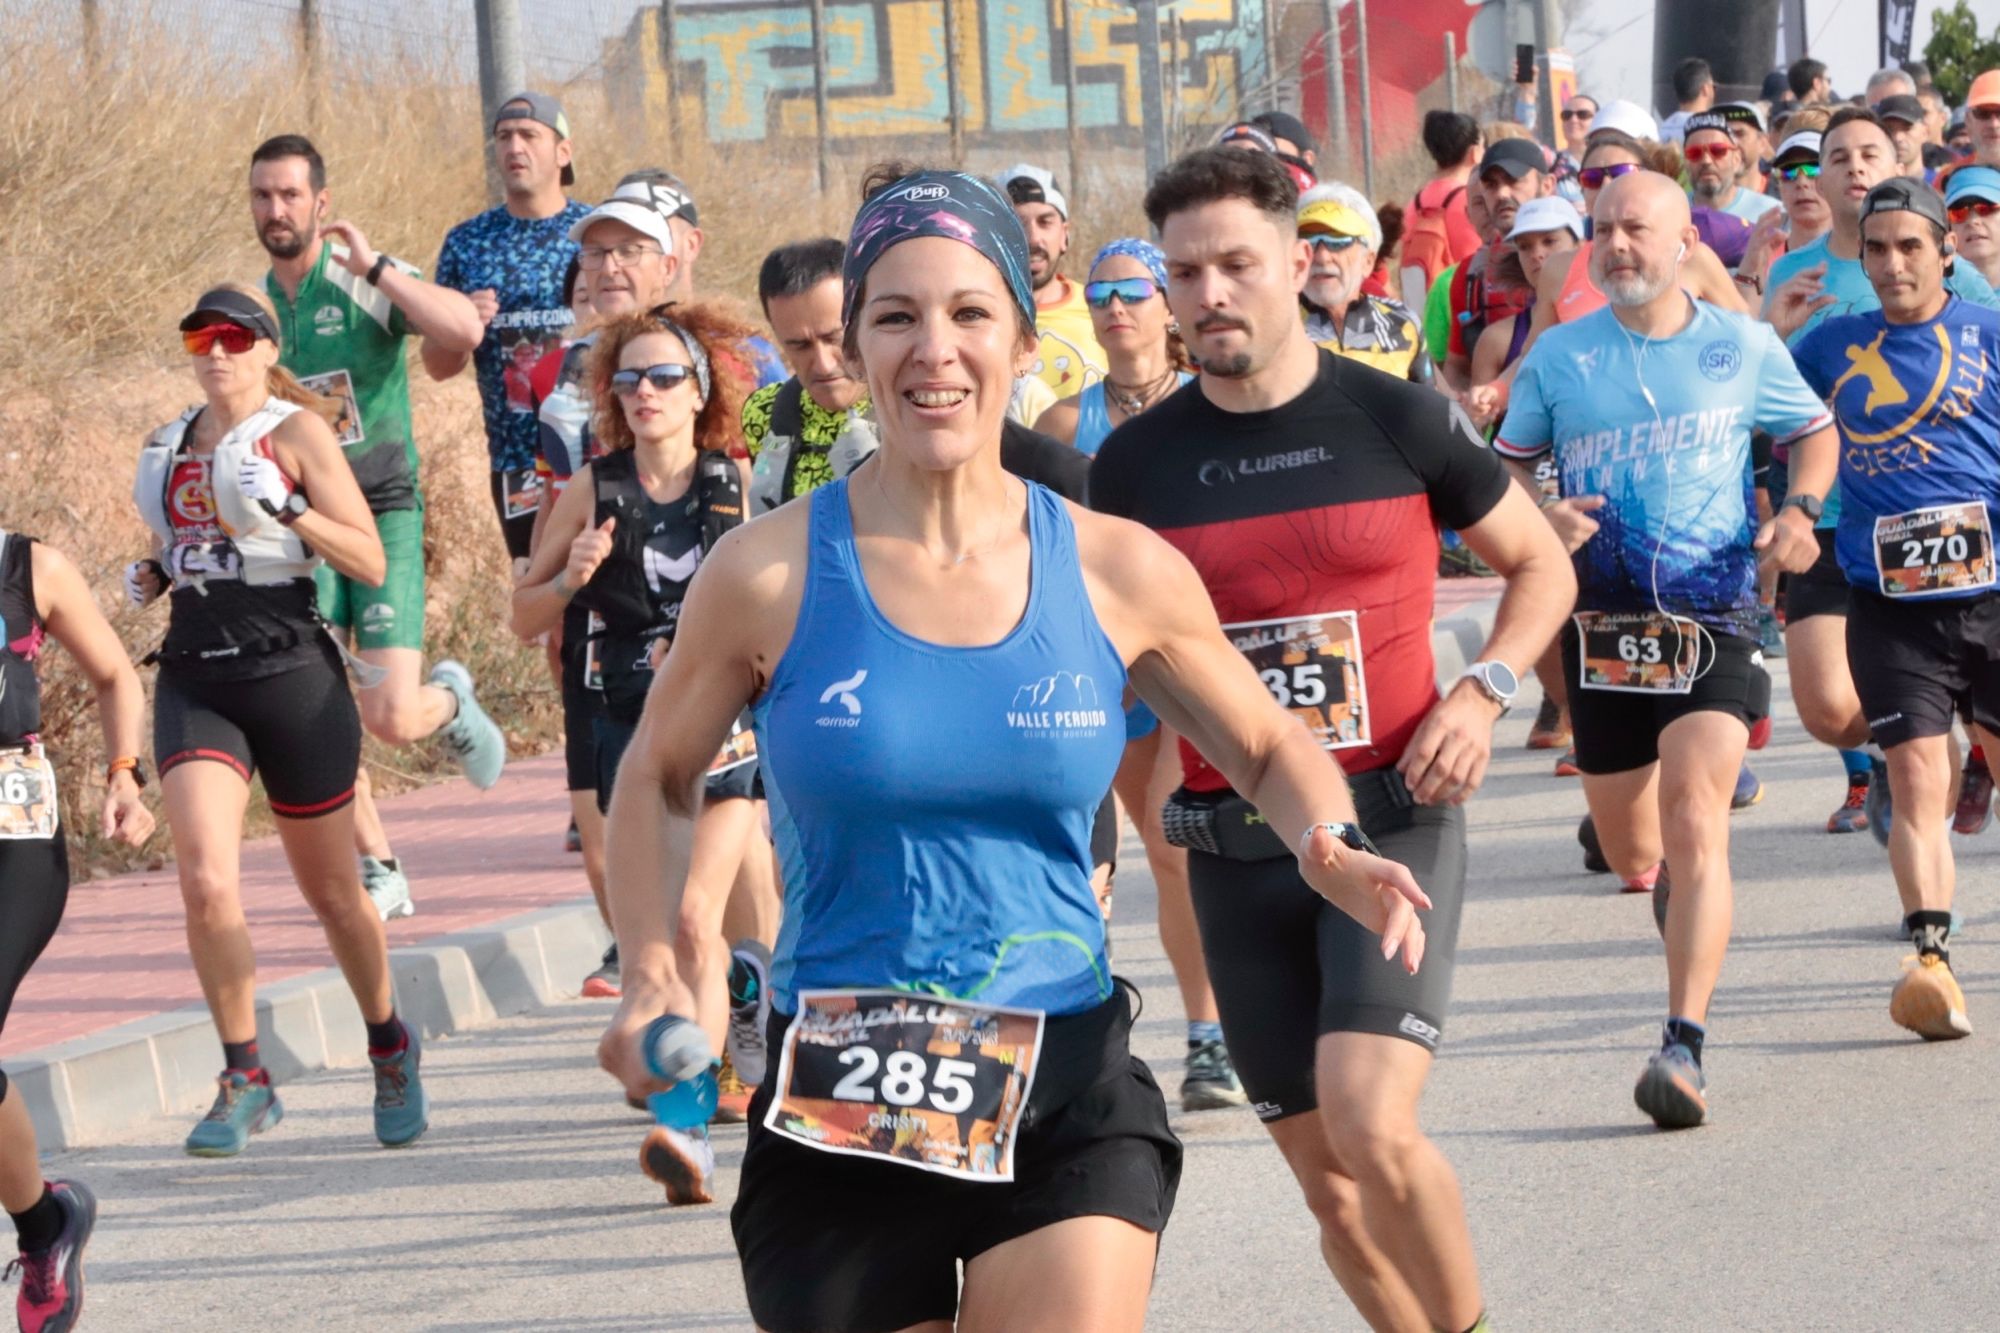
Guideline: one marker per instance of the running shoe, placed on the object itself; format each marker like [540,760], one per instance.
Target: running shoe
[471,736]
[1770,634]
[607,982]
[1672,1089]
[1566,767]
[51,1299]
[1749,790]
[1881,814]
[1593,850]
[1548,733]
[1642,883]
[387,888]
[683,1160]
[1210,1081]
[1760,733]
[1975,799]
[402,1107]
[572,840]
[749,1009]
[732,1101]
[1928,1001]
[1852,815]
[243,1106]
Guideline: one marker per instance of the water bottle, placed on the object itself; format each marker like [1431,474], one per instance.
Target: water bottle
[678,1051]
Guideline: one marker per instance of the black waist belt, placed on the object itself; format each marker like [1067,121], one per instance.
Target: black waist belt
[1226,825]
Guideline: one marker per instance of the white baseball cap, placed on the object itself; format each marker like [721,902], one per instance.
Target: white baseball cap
[1026,184]
[1551,212]
[1627,118]
[640,206]
[1805,141]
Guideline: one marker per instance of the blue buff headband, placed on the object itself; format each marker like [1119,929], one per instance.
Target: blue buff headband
[939,203]
[1132,247]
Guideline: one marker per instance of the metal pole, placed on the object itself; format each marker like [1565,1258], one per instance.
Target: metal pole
[1176,110]
[1336,90]
[1367,110]
[1451,69]
[1272,9]
[93,38]
[819,89]
[489,93]
[1548,33]
[1152,118]
[1069,11]
[667,55]
[309,57]
[953,93]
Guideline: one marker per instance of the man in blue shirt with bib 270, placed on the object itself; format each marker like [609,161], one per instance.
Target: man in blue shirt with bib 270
[1915,390]
[1649,405]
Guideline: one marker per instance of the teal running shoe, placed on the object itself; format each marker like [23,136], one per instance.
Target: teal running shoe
[402,1107]
[243,1106]
[1672,1089]
[471,737]
[387,888]
[1209,1082]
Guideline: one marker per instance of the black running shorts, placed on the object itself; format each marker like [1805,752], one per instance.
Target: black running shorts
[1288,967]
[611,738]
[517,521]
[34,887]
[1618,732]
[581,708]
[1821,590]
[1916,664]
[299,729]
[831,1242]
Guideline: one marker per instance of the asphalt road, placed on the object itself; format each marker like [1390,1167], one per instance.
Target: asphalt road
[1846,1180]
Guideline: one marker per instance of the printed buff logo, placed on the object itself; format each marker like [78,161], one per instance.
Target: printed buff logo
[842,693]
[1060,705]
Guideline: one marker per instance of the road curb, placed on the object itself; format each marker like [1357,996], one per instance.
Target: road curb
[83,1092]
[1457,639]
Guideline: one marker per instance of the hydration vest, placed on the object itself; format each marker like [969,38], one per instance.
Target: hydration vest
[271,553]
[771,475]
[20,643]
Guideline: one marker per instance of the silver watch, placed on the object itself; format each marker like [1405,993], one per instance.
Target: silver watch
[1498,680]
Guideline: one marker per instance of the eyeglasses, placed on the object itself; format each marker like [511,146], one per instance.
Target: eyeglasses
[1799,171]
[627,255]
[1593,178]
[1129,290]
[1971,208]
[1337,244]
[663,377]
[1708,152]
[235,339]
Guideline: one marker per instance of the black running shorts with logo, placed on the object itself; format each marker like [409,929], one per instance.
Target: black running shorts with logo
[1821,590]
[1917,663]
[1617,732]
[34,887]
[1288,967]
[833,1242]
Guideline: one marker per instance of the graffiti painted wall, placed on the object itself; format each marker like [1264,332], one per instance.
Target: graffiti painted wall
[743,68]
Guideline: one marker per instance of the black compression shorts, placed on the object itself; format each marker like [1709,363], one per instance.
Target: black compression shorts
[1289,967]
[517,523]
[1821,590]
[1617,732]
[1104,834]
[581,708]
[34,887]
[298,728]
[832,1242]
[1916,664]
[611,739]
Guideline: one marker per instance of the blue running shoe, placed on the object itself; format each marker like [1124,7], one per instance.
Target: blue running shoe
[51,1299]
[1749,790]
[474,741]
[243,1106]
[1671,1090]
[387,888]
[1880,814]
[402,1107]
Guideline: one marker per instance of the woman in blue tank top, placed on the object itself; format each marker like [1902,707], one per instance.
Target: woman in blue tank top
[1127,296]
[934,652]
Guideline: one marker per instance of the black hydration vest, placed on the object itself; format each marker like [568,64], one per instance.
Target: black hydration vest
[20,642]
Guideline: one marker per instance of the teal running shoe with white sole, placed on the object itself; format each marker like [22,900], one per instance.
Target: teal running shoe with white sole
[387,889]
[471,736]
[243,1107]
[1209,1082]
[402,1107]
[1672,1090]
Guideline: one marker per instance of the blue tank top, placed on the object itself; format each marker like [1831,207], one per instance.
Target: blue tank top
[932,805]
[1093,418]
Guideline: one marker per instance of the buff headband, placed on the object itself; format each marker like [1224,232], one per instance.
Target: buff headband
[1132,247]
[697,354]
[950,204]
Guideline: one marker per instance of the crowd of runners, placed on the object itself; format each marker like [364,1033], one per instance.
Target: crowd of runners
[1001,548]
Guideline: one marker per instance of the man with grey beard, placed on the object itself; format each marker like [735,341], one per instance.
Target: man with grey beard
[1649,405]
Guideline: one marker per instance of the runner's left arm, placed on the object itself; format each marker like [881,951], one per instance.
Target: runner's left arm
[445,317]
[1789,407]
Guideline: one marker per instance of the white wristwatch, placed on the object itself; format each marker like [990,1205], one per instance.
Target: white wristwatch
[1498,680]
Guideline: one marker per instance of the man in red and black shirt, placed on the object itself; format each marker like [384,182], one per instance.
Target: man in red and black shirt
[1308,492]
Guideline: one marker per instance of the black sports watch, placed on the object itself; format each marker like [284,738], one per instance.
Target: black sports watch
[1809,505]
[288,512]
[374,277]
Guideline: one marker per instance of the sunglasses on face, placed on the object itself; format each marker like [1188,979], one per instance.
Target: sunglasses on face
[1985,113]
[1708,152]
[1799,171]
[1129,290]
[662,377]
[1971,208]
[235,339]
[1593,178]
[1335,244]
[1578,115]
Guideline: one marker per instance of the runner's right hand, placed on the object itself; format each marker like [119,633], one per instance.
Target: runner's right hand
[1796,299]
[144,581]
[587,552]
[487,302]
[619,1051]
[1570,517]
[1482,403]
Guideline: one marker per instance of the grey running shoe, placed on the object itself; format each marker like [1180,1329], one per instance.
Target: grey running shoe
[471,736]
[749,1010]
[607,982]
[1672,1089]
[387,889]
[1210,1081]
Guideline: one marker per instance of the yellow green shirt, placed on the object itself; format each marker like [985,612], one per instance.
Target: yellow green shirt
[1069,357]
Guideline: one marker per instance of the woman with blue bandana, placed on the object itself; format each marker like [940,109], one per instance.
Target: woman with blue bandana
[933,650]
[1127,295]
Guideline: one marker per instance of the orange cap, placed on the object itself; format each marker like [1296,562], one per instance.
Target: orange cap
[1985,90]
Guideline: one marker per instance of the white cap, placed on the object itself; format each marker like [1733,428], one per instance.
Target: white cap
[1551,212]
[1627,118]
[1805,141]
[638,206]
[1044,190]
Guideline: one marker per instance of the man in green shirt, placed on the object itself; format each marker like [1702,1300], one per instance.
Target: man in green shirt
[345,312]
